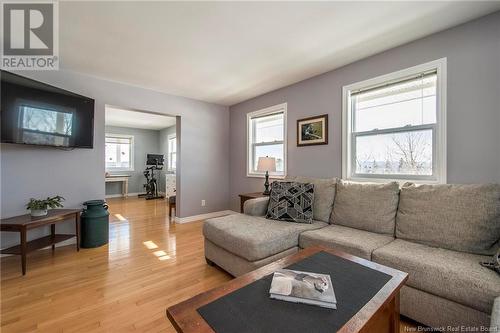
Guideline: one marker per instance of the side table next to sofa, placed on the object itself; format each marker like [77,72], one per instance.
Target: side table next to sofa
[247,196]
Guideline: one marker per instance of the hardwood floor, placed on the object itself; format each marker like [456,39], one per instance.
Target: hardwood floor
[125,286]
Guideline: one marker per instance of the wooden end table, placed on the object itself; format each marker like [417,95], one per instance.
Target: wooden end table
[247,196]
[380,314]
[23,223]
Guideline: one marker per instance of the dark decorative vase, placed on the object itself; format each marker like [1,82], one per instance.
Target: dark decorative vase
[94,224]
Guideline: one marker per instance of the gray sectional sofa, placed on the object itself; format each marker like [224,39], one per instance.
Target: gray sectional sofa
[436,233]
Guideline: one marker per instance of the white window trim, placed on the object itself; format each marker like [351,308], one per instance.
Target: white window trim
[269,110]
[439,153]
[169,137]
[132,148]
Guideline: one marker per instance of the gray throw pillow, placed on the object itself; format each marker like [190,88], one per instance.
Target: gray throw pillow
[290,201]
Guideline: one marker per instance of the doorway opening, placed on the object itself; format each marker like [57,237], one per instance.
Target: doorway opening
[141,155]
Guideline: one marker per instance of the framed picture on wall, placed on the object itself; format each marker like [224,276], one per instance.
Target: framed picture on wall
[312,131]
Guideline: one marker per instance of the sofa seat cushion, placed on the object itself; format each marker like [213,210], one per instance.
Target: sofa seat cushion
[366,206]
[456,217]
[255,238]
[453,275]
[356,242]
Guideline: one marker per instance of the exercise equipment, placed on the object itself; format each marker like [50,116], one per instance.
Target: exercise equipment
[153,163]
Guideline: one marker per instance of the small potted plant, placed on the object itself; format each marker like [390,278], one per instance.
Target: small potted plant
[39,207]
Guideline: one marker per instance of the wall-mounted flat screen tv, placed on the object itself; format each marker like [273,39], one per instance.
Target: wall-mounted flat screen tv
[35,113]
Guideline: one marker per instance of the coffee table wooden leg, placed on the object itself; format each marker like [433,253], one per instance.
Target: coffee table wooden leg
[23,251]
[53,234]
[77,230]
[395,314]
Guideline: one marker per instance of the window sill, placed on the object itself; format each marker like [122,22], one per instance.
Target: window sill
[114,171]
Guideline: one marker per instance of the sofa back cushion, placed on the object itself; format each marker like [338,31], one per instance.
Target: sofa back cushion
[457,217]
[366,206]
[324,195]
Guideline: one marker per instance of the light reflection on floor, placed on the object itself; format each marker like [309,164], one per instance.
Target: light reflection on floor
[164,257]
[119,237]
[150,245]
[160,253]
[122,235]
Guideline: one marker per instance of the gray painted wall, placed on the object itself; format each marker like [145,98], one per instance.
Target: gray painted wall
[78,175]
[473,108]
[145,142]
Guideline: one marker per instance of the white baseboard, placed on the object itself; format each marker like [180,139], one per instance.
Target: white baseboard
[121,195]
[200,217]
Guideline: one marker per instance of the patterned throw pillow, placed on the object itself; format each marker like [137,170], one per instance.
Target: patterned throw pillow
[290,201]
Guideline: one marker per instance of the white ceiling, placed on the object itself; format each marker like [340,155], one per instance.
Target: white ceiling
[227,52]
[137,119]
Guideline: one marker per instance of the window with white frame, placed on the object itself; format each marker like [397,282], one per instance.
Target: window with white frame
[119,152]
[172,152]
[266,136]
[394,126]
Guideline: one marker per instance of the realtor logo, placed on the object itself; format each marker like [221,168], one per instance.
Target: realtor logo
[30,35]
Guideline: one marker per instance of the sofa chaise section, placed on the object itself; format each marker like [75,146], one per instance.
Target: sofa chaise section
[236,265]
[246,242]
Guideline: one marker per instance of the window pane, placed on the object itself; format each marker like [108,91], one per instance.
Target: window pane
[268,128]
[397,105]
[172,145]
[111,153]
[124,155]
[275,151]
[118,152]
[173,160]
[404,153]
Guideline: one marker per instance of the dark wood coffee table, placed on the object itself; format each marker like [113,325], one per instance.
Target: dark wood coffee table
[380,314]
